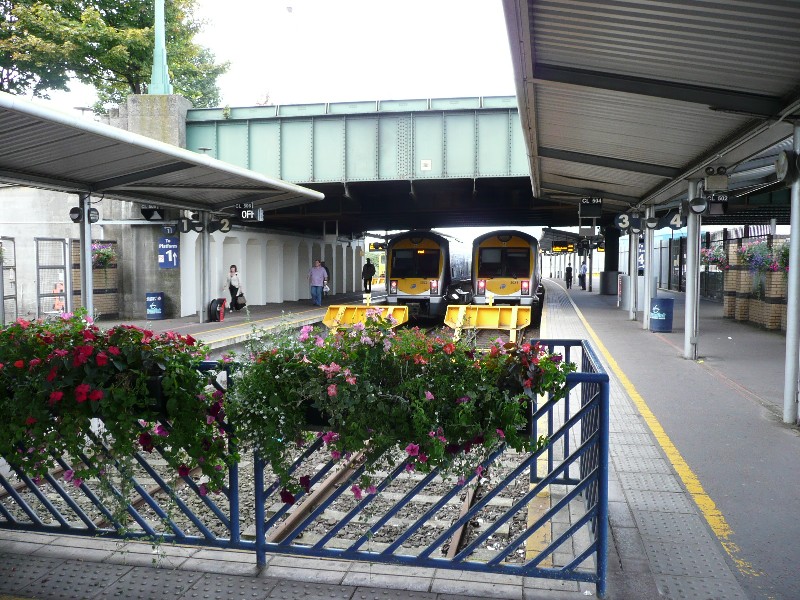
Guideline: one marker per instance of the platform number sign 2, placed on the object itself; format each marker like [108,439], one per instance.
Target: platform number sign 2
[168,253]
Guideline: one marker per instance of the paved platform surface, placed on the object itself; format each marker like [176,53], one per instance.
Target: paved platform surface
[666,535]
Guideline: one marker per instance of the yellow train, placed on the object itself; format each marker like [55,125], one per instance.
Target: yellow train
[506,269]
[418,273]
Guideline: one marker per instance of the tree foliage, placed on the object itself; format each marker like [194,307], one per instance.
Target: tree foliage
[107,44]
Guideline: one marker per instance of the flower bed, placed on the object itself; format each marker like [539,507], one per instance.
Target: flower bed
[439,402]
[57,376]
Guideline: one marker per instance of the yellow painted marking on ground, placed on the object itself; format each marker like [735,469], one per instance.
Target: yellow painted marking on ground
[537,507]
[713,516]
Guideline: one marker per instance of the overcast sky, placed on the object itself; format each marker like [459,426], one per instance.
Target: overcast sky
[309,51]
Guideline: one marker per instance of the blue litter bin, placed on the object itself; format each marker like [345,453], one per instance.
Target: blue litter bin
[661,314]
[154,303]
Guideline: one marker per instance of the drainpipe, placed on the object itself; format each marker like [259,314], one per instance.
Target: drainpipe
[87,279]
[205,278]
[633,272]
[790,382]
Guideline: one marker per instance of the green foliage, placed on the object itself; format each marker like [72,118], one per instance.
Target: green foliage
[102,255]
[57,375]
[438,403]
[715,256]
[104,43]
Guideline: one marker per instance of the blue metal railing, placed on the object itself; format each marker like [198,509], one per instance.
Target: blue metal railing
[542,514]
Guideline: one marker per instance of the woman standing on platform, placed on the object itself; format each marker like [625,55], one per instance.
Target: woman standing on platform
[234,285]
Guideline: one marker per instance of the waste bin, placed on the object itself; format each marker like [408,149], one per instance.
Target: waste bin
[661,314]
[154,302]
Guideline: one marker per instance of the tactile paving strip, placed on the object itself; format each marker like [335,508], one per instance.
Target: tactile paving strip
[642,465]
[153,584]
[17,571]
[74,579]
[298,590]
[636,451]
[217,586]
[692,588]
[670,527]
[656,482]
[661,501]
[699,559]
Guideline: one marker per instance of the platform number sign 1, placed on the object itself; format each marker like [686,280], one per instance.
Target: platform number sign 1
[168,253]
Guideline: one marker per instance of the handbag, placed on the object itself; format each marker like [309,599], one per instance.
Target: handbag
[326,289]
[240,301]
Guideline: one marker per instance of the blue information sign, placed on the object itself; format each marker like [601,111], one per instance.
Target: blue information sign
[168,254]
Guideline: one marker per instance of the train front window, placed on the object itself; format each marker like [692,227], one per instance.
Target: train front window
[490,263]
[422,262]
[518,262]
[504,262]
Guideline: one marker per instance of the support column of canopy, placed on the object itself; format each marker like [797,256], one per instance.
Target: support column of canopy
[633,273]
[650,211]
[790,381]
[205,259]
[692,278]
[87,279]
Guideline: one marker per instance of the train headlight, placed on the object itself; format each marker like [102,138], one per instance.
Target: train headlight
[481,287]
[435,287]
[525,287]
[393,286]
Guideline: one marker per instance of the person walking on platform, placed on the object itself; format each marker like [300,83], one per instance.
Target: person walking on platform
[317,279]
[367,273]
[568,276]
[234,285]
[582,275]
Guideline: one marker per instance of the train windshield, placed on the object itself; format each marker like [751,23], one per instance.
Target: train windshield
[415,262]
[504,262]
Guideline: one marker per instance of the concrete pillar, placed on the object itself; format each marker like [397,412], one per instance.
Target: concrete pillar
[162,118]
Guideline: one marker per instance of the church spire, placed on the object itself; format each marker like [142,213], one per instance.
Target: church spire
[159,79]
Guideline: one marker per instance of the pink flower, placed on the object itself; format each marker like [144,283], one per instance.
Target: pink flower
[428,395]
[30,421]
[77,481]
[423,458]
[332,391]
[329,437]
[96,395]
[479,470]
[461,480]
[203,489]
[114,350]
[336,455]
[319,342]
[101,359]
[34,362]
[68,475]
[409,467]
[210,419]
[356,492]
[161,431]
[412,449]
[372,489]
[462,400]
[351,380]
[501,433]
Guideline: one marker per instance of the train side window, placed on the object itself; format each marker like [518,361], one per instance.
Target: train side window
[490,262]
[518,262]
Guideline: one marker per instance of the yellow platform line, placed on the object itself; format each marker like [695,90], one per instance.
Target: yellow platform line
[708,508]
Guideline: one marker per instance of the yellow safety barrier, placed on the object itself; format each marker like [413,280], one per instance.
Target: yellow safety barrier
[511,318]
[347,315]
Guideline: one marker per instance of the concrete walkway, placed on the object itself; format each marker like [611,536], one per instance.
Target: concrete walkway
[670,536]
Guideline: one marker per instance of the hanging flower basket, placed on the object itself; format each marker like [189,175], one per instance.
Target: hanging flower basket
[103,255]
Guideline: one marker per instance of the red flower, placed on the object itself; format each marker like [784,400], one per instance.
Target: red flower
[183,471]
[305,483]
[20,364]
[34,362]
[96,395]
[23,323]
[52,374]
[146,441]
[82,393]
[30,420]
[113,350]
[88,335]
[190,340]
[81,355]
[102,359]
[449,348]
[55,397]
[287,497]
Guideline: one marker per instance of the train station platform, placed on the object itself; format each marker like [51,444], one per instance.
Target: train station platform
[697,452]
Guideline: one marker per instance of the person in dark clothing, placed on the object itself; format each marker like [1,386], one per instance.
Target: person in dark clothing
[367,273]
[568,275]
